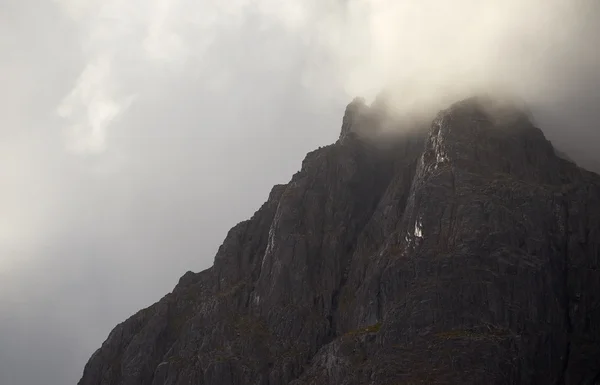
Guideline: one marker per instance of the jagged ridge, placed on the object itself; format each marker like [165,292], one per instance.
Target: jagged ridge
[465,254]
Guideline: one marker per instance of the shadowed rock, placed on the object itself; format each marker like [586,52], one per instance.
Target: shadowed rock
[466,253]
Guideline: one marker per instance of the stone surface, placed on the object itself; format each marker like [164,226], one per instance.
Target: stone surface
[466,253]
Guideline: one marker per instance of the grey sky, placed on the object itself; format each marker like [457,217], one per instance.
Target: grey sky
[134,134]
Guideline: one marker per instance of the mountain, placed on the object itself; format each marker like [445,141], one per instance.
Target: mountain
[465,252]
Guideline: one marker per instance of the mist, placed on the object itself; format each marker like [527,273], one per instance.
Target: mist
[426,55]
[134,134]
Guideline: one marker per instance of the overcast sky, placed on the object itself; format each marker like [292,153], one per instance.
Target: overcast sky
[135,133]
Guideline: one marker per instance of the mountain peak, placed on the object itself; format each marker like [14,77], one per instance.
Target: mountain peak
[465,253]
[501,109]
[497,136]
[356,118]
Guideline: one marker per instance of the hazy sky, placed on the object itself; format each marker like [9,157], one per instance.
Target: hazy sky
[134,134]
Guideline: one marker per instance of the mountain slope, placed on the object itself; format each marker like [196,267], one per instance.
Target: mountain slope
[462,254]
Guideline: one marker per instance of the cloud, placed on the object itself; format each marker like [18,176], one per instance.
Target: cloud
[127,43]
[91,107]
[95,101]
[369,44]
[161,42]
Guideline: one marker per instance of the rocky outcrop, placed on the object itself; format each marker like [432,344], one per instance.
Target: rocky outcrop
[466,253]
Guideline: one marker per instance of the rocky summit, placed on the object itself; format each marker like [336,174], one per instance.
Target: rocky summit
[465,252]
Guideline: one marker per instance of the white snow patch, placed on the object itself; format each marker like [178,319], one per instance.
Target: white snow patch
[270,243]
[418,232]
[438,147]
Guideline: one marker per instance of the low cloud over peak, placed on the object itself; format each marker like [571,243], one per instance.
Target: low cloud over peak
[136,133]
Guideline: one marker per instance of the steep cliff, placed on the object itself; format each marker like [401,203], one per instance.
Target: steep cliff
[464,253]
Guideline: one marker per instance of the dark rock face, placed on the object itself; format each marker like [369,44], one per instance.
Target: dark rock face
[467,254]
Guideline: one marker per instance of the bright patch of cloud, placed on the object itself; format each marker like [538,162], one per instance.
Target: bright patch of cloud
[360,45]
[161,41]
[90,108]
